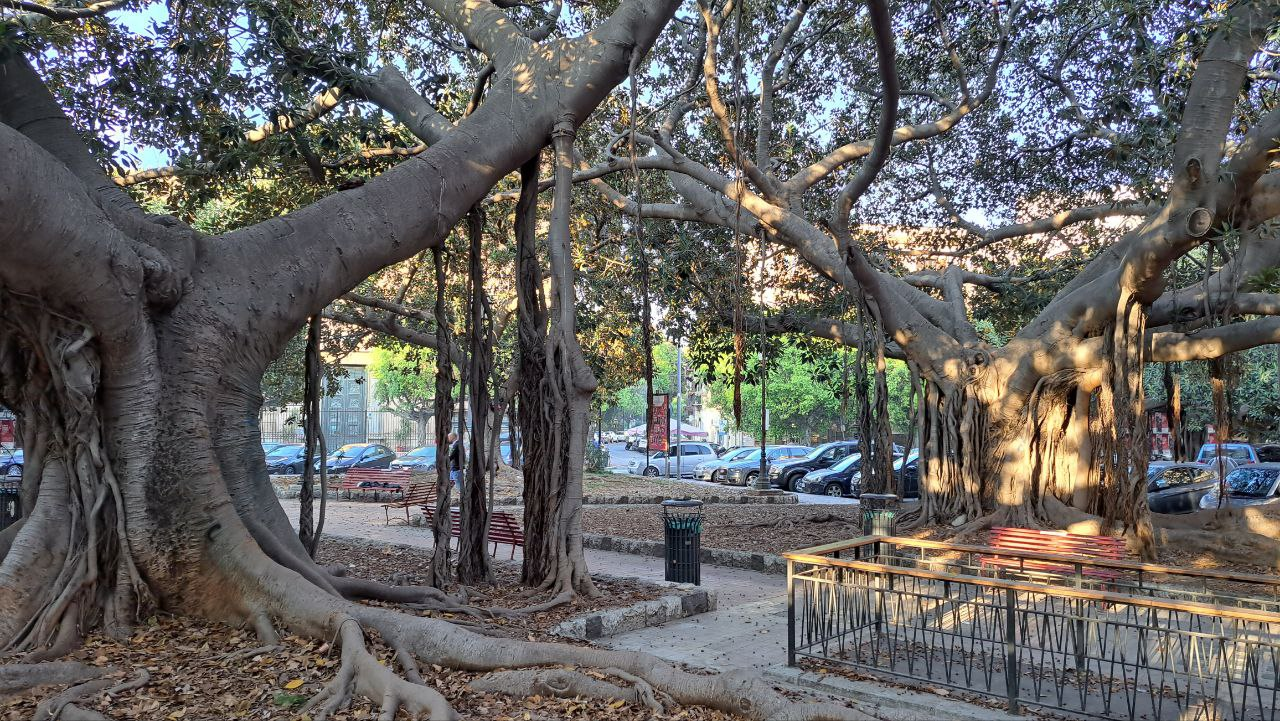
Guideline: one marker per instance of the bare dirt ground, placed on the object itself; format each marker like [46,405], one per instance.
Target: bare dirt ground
[192,677]
[761,529]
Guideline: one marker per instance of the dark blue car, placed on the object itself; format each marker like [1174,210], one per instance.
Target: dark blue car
[11,462]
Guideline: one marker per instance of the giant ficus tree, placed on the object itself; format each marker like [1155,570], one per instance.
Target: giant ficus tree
[133,345]
[912,152]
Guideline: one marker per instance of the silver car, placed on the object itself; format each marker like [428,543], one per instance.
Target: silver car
[706,471]
[1257,484]
[690,455]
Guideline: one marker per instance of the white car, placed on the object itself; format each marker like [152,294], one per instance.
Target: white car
[665,463]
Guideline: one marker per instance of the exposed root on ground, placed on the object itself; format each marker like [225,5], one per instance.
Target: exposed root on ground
[741,693]
[21,676]
[565,683]
[361,673]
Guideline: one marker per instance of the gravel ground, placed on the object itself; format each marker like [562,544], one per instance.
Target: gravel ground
[769,529]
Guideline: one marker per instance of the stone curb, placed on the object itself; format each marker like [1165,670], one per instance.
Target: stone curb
[655,500]
[291,491]
[762,562]
[688,600]
[889,702]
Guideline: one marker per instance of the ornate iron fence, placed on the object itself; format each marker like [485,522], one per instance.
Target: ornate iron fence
[1108,639]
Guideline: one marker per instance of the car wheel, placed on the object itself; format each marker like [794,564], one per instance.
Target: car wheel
[750,480]
[834,490]
[295,470]
[790,483]
[651,472]
[15,471]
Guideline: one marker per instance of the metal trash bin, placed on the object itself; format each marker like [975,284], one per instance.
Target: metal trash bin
[10,503]
[683,523]
[879,512]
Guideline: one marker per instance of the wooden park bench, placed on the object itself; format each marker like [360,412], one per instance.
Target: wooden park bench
[415,494]
[1059,543]
[503,528]
[373,480]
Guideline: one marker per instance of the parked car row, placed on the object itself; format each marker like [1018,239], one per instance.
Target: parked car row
[290,458]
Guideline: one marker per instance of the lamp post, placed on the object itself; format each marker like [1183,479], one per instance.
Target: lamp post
[679,407]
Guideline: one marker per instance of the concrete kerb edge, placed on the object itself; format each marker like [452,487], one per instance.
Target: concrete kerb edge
[886,701]
[687,600]
[290,491]
[761,562]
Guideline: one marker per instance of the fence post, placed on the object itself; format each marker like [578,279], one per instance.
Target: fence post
[1012,672]
[791,613]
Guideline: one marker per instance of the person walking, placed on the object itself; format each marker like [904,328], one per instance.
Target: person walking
[455,461]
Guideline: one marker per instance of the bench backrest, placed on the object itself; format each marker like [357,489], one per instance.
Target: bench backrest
[419,493]
[382,475]
[1057,542]
[503,525]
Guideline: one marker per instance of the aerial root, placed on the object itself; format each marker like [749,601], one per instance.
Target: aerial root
[361,673]
[563,683]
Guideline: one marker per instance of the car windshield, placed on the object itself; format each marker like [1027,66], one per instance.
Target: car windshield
[753,455]
[424,452]
[351,450]
[1234,452]
[853,461]
[284,451]
[817,452]
[897,465]
[1251,481]
[737,454]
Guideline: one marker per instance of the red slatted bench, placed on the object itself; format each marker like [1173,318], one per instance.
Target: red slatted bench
[415,494]
[1060,543]
[373,480]
[503,528]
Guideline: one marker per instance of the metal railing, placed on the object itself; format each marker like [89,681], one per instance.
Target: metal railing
[1107,639]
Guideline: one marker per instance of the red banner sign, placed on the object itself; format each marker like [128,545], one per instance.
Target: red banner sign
[658,424]
[8,432]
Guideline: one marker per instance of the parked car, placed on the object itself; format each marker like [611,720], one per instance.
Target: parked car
[1252,485]
[785,474]
[11,462]
[269,446]
[419,459]
[287,459]
[360,455]
[906,471]
[1269,453]
[745,470]
[1235,454]
[835,481]
[706,471]
[1178,487]
[690,454]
